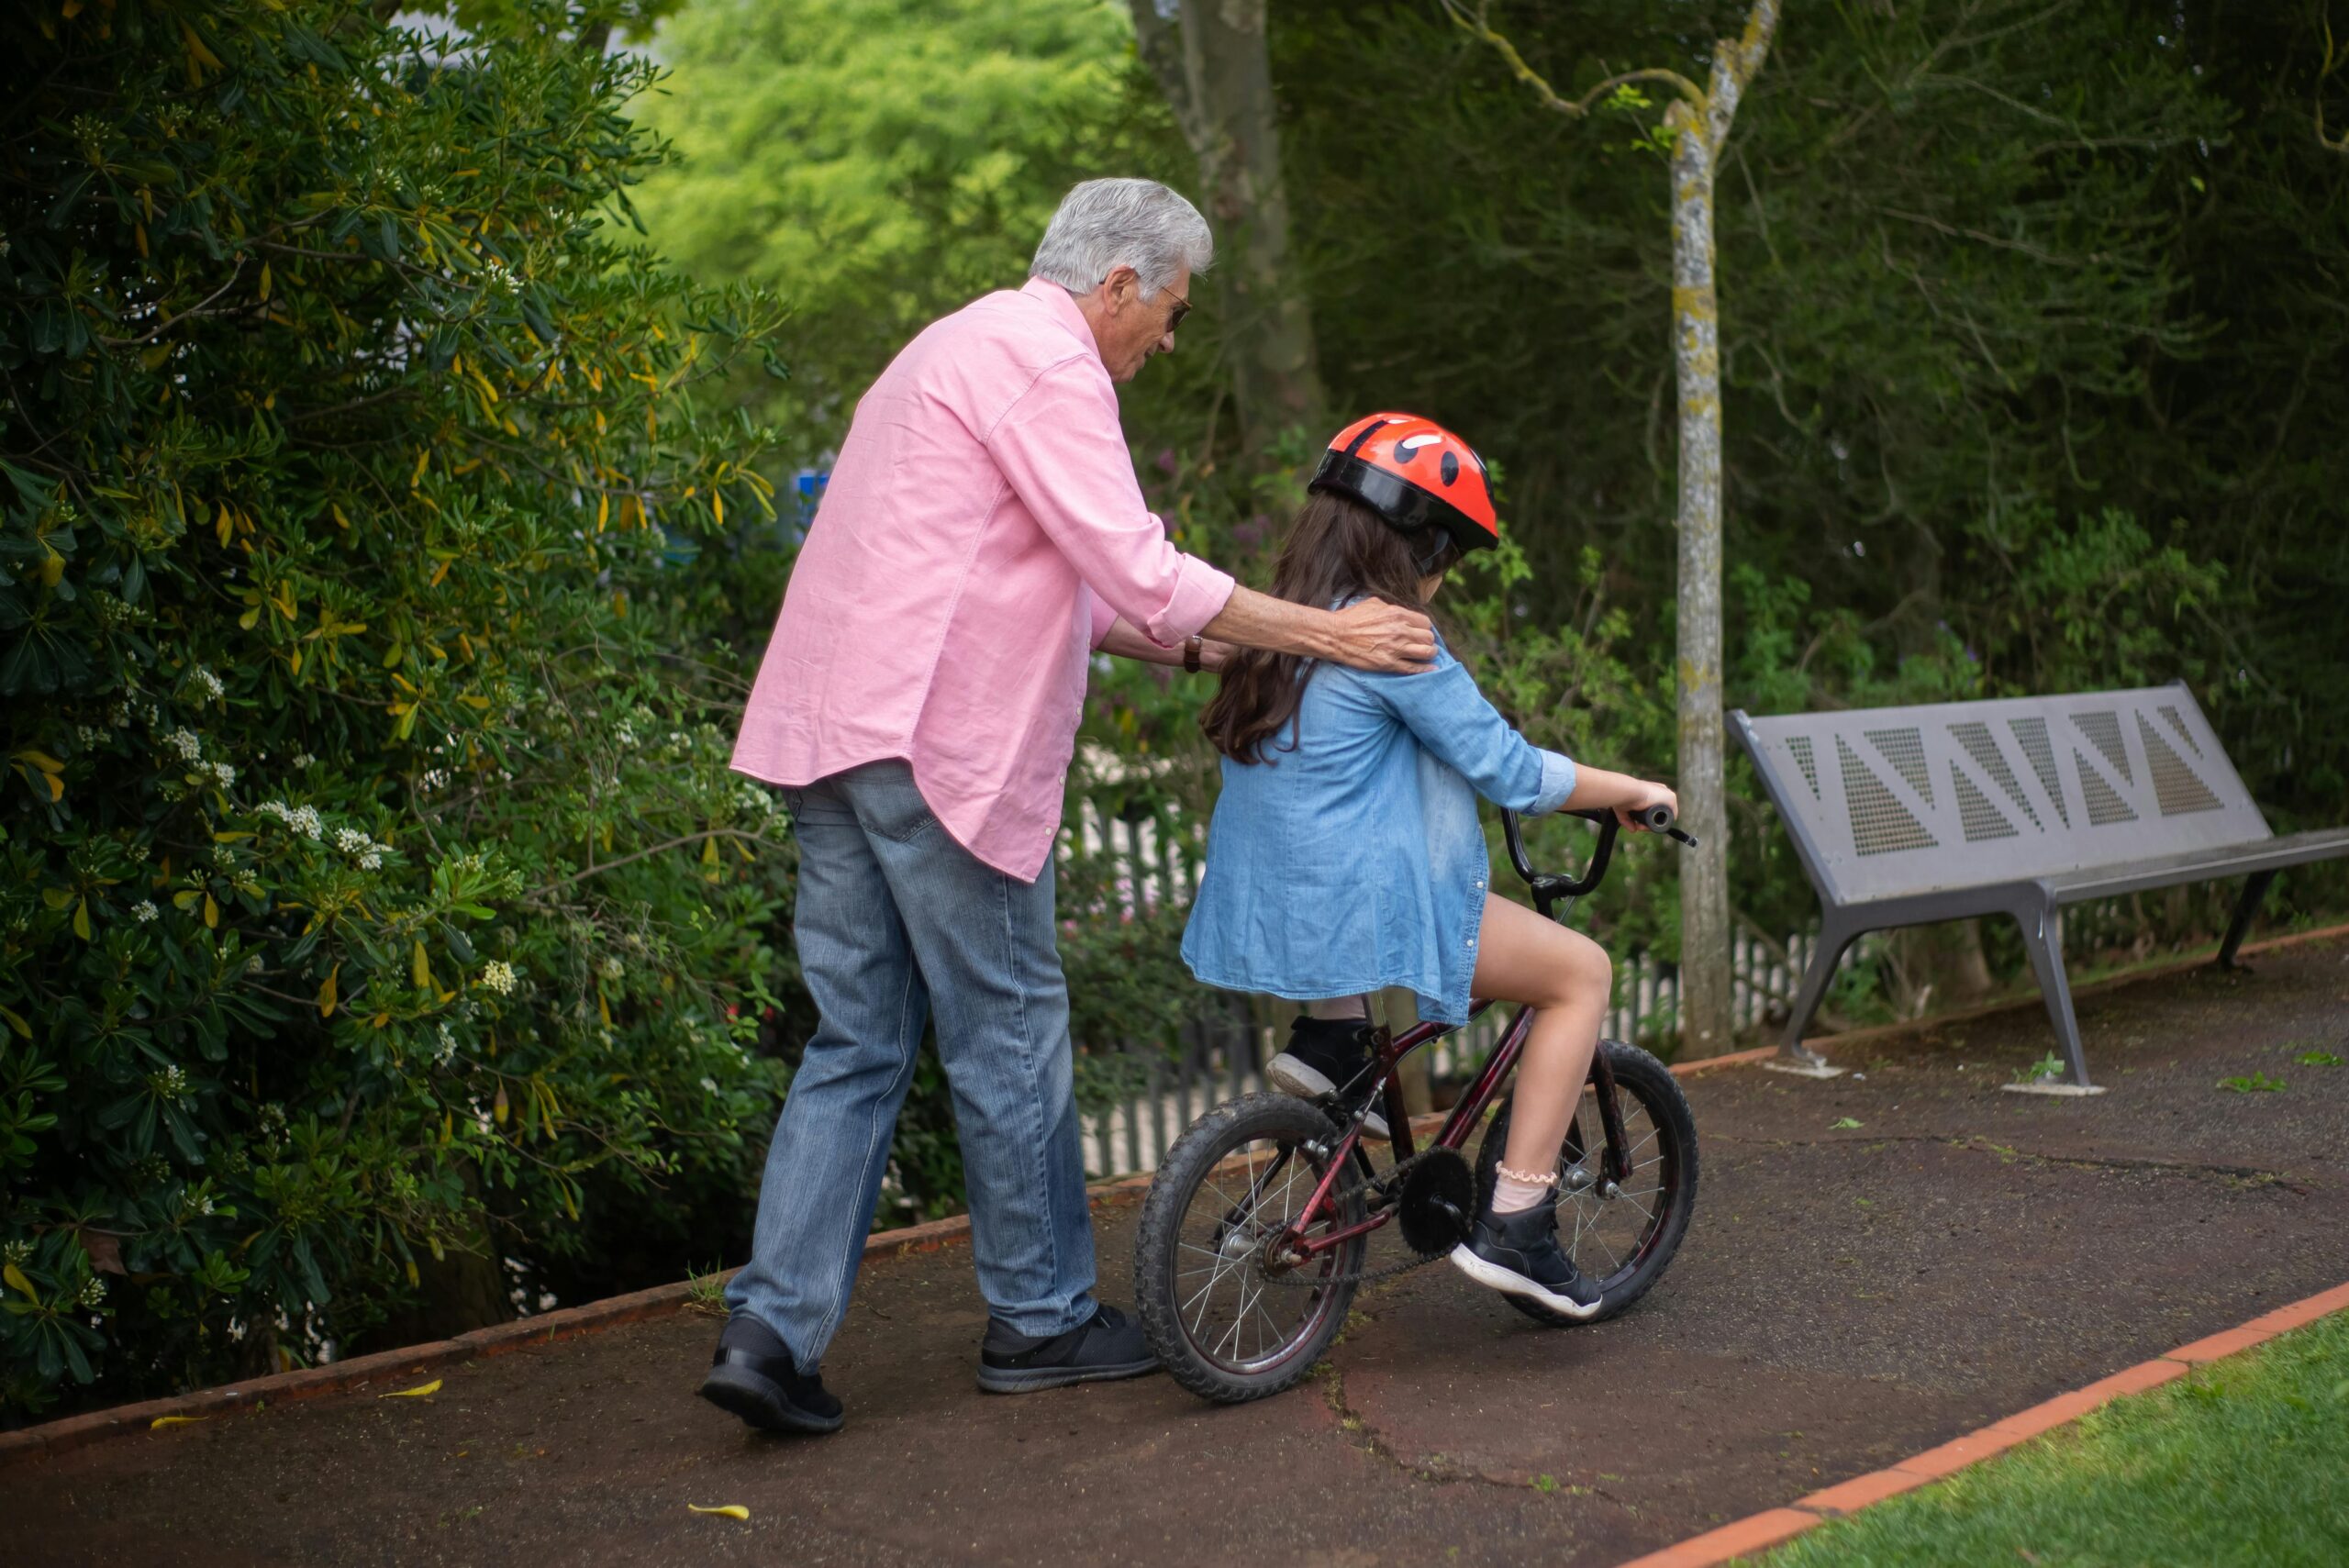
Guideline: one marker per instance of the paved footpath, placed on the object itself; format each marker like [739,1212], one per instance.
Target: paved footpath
[1845,1297]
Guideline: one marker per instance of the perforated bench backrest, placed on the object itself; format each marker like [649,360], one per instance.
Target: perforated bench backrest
[1892,801]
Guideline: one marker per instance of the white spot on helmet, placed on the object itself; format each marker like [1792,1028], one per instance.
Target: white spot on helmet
[1408,447]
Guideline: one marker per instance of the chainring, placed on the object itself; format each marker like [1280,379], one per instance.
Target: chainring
[1437,1206]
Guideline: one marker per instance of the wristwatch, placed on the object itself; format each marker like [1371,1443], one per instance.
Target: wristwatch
[1191,654]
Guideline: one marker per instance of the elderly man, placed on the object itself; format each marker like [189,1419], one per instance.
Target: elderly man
[982,533]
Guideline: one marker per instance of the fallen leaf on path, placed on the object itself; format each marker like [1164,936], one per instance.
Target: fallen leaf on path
[418,1392]
[1845,1122]
[732,1510]
[172,1421]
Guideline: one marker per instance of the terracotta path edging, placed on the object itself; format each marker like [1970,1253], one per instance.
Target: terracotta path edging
[1758,1532]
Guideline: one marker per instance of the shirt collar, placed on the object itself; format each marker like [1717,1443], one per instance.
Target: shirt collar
[1063,305]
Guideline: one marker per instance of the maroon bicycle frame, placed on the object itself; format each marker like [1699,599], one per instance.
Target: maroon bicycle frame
[1464,1115]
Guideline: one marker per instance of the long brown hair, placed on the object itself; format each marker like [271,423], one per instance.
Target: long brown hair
[1337,550]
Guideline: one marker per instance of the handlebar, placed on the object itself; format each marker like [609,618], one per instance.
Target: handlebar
[1548,886]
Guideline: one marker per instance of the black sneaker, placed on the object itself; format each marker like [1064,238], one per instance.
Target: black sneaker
[753,1376]
[1519,1254]
[1326,1056]
[1103,1347]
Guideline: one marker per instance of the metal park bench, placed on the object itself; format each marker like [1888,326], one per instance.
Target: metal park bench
[1906,816]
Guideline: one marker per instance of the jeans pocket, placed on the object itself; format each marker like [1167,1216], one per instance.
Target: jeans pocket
[889,804]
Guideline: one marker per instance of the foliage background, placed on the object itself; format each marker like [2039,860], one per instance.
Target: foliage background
[384,935]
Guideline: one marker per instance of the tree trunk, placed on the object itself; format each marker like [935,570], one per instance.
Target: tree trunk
[1705,1015]
[1218,78]
[1707,1020]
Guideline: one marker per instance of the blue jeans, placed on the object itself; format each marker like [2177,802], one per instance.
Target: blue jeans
[897,922]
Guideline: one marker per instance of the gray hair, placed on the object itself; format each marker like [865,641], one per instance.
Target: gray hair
[1105,224]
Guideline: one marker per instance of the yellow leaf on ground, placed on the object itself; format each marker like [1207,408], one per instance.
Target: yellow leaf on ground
[173,1421]
[732,1510]
[418,1392]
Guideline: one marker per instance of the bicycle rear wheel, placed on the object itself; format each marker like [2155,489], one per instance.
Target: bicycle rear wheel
[1227,1326]
[1622,1237]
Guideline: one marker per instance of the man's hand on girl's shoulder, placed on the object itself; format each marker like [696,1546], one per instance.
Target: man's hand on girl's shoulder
[1374,635]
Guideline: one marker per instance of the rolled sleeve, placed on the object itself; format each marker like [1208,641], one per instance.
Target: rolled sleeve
[1557,783]
[1063,451]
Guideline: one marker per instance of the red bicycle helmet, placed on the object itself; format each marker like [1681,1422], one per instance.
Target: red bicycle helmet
[1416,474]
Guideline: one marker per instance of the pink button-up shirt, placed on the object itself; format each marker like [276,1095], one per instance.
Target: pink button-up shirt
[981,531]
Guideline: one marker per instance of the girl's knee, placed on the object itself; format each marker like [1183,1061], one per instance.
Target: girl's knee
[1592,961]
[1583,969]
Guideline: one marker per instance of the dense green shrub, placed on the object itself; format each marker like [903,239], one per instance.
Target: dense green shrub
[375,901]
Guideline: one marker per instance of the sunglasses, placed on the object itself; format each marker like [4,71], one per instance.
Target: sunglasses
[1182,307]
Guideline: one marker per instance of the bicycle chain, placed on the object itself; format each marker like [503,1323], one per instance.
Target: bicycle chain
[1367,1276]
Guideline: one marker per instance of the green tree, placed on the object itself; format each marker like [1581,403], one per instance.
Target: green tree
[881,162]
[377,903]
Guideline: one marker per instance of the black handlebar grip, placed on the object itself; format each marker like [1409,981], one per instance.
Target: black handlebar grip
[1656,818]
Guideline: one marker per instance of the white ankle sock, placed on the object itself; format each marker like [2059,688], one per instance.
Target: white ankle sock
[1513,1197]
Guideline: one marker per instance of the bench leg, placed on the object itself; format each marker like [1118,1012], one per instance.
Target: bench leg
[2255,888]
[2043,937]
[1834,937]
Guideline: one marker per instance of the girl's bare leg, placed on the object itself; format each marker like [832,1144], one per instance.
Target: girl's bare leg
[1566,979]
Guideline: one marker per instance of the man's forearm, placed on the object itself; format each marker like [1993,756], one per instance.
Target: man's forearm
[1258,620]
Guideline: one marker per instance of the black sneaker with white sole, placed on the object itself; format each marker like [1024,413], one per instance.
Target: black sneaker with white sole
[1105,1346]
[1519,1254]
[1326,1056]
[753,1376]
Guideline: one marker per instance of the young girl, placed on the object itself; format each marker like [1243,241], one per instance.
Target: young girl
[1345,853]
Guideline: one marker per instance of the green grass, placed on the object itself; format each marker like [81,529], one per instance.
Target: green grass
[2245,1461]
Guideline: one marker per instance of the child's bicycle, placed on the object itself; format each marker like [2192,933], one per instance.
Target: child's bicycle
[1252,1237]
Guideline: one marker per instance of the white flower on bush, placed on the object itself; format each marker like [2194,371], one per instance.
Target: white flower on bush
[225,773]
[209,682]
[611,968]
[625,736]
[304,760]
[186,744]
[94,1290]
[301,819]
[499,975]
[432,780]
[350,841]
[144,910]
[372,861]
[448,1048]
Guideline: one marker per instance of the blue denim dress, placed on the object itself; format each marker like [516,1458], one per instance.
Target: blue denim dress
[1357,862]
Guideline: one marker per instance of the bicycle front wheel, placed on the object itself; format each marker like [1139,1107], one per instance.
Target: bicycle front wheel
[1620,1235]
[1230,1323]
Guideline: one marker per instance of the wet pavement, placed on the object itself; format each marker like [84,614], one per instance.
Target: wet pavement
[1845,1296]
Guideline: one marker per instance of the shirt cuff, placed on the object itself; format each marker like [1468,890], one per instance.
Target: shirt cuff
[1104,617]
[1557,783]
[1200,593]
